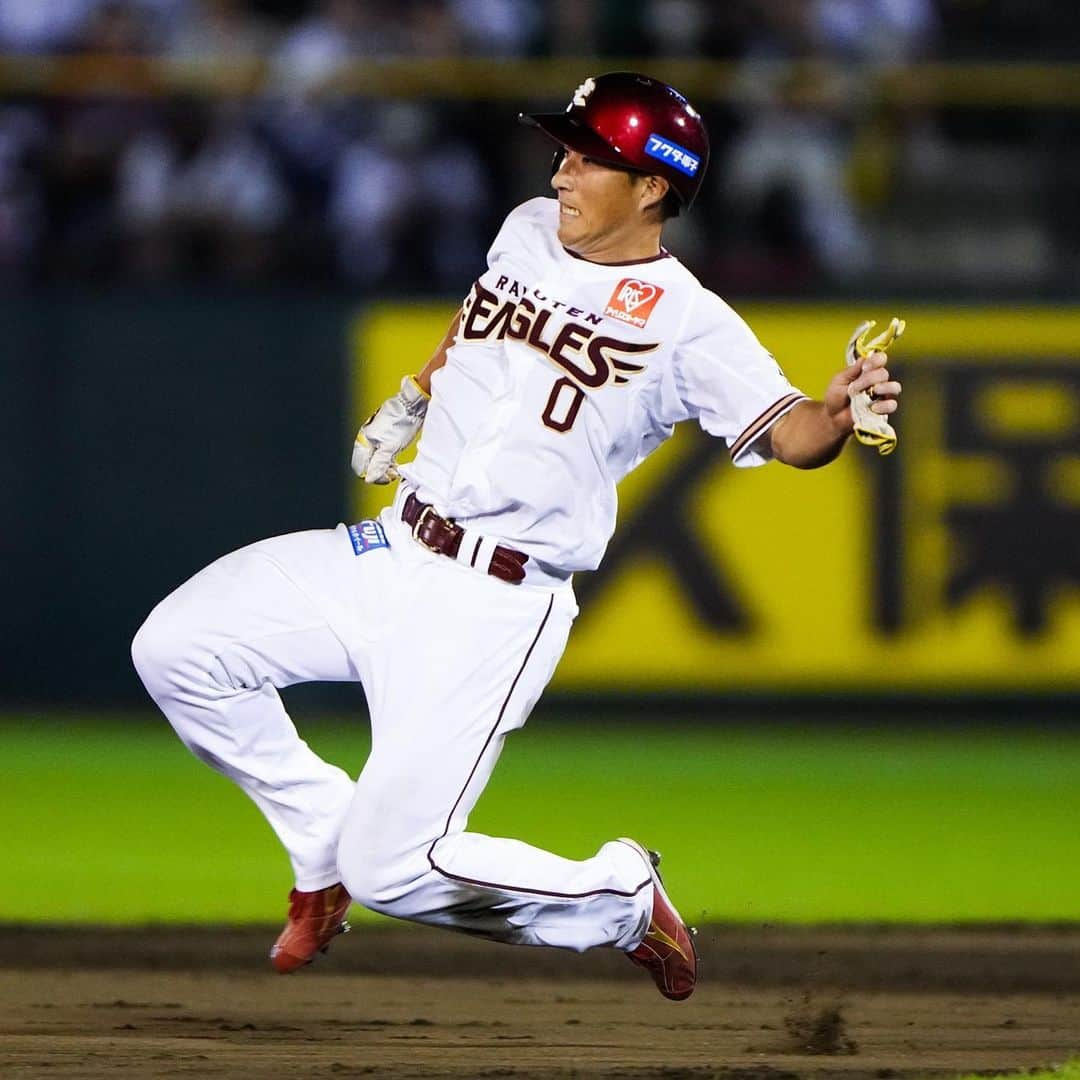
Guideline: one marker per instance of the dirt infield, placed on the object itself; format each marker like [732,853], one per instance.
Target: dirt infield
[771,1005]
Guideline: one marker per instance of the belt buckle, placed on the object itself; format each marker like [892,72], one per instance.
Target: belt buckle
[428,509]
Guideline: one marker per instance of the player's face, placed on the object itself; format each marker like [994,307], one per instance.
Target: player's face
[600,210]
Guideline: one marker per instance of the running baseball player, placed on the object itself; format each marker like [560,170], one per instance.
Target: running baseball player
[573,357]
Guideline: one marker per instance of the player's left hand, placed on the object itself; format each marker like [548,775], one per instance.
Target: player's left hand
[387,432]
[864,394]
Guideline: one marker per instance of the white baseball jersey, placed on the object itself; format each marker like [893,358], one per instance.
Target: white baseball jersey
[565,374]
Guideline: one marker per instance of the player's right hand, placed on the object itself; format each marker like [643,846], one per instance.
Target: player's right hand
[388,431]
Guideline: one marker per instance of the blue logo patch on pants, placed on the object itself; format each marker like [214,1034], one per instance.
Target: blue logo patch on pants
[367,536]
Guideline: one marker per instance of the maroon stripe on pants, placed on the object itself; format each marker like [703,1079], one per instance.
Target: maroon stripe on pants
[483,750]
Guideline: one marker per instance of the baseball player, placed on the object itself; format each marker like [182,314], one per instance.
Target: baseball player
[572,358]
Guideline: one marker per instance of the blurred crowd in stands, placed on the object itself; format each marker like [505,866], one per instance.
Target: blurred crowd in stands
[813,184]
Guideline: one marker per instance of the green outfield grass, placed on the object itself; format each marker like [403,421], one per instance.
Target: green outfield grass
[1069,1071]
[109,819]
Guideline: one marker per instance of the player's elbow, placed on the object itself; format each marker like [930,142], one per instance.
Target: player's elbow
[799,460]
[788,452]
[804,439]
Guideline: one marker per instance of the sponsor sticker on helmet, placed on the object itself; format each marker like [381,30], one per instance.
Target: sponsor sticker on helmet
[633,301]
[678,156]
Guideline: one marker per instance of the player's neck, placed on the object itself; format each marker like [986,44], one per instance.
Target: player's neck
[636,245]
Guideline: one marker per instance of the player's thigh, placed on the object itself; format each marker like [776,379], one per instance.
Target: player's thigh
[470,671]
[263,612]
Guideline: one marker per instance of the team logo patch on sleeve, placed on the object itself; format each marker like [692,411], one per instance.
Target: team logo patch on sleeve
[367,536]
[633,301]
[665,150]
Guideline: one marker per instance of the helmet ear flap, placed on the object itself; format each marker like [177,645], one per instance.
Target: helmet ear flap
[557,159]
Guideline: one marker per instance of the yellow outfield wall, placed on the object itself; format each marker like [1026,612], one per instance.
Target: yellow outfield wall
[953,564]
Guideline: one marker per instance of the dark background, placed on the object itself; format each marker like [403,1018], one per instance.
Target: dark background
[183,249]
[146,434]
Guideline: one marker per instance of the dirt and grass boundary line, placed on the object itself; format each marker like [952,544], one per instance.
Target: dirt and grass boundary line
[1001,959]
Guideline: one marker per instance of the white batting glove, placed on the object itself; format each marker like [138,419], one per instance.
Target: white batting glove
[388,431]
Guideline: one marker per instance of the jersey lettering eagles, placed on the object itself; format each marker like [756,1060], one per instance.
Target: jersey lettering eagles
[565,374]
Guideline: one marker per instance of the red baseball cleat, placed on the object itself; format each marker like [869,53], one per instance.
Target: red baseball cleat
[315,919]
[667,951]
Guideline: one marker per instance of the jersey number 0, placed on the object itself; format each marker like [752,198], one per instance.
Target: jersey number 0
[563,405]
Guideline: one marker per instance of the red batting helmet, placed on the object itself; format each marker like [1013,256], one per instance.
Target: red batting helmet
[636,123]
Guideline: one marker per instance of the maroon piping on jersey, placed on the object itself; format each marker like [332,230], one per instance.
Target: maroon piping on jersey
[758,425]
[664,254]
[483,750]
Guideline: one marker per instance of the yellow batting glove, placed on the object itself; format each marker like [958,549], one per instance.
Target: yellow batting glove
[871,428]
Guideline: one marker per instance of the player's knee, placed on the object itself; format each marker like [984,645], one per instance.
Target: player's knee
[170,660]
[366,884]
[154,650]
[375,878]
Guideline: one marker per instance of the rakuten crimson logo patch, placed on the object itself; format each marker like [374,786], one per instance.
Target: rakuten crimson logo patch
[633,301]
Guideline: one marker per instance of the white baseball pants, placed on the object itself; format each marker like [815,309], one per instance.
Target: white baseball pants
[451,661]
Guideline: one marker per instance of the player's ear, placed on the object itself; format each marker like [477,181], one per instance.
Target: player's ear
[653,190]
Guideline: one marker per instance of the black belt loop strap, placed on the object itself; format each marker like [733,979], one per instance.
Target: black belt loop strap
[442,536]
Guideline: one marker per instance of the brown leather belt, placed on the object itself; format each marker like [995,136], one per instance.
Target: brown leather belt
[442,536]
